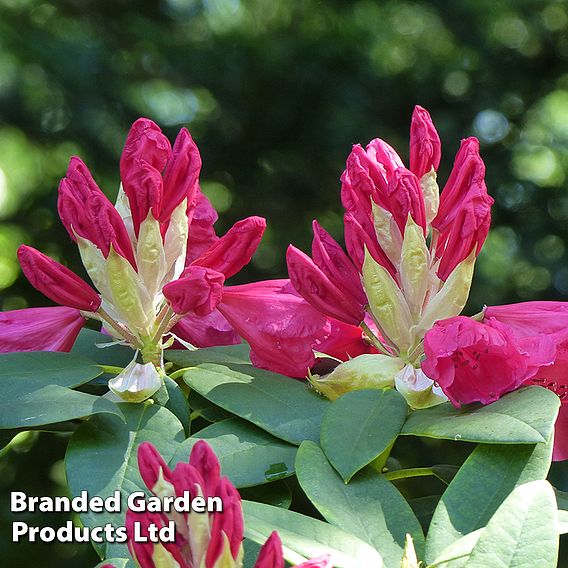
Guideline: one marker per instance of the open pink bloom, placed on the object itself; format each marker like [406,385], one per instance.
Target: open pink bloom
[270,556]
[480,362]
[202,540]
[280,326]
[549,319]
[40,329]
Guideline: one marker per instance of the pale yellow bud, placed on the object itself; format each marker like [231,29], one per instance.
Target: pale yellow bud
[363,372]
[387,232]
[431,193]
[150,255]
[414,262]
[175,242]
[387,303]
[451,299]
[409,559]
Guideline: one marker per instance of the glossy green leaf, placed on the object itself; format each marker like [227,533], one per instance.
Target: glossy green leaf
[23,372]
[484,481]
[523,532]
[359,426]
[238,354]
[280,405]
[203,408]
[369,506]
[525,416]
[277,494]
[51,404]
[102,456]
[248,455]
[305,537]
[177,403]
[98,347]
[457,554]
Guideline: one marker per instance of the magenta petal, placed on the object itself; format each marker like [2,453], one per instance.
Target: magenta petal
[319,562]
[344,341]
[280,326]
[201,232]
[40,329]
[560,452]
[152,466]
[206,331]
[312,284]
[203,458]
[235,249]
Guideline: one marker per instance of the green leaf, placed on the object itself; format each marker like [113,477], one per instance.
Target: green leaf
[523,533]
[239,354]
[23,372]
[248,455]
[369,507]
[280,405]
[277,494]
[305,537]
[177,403]
[423,508]
[51,404]
[102,456]
[486,478]
[457,554]
[359,426]
[115,355]
[525,416]
[203,408]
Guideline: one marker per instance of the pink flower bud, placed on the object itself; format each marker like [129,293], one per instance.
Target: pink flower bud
[144,189]
[229,523]
[197,291]
[86,211]
[206,331]
[464,215]
[25,330]
[145,141]
[152,466]
[312,284]
[56,281]
[234,249]
[480,362]
[357,239]
[201,232]
[181,174]
[203,458]
[335,264]
[270,555]
[405,198]
[425,146]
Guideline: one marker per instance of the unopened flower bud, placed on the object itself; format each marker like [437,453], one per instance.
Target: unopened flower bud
[136,383]
[418,390]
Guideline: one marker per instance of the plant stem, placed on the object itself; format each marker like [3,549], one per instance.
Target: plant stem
[373,338]
[412,472]
[179,373]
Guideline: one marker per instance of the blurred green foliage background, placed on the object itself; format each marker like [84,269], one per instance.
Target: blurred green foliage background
[275,92]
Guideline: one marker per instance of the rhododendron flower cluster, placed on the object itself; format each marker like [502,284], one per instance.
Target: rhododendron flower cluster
[410,257]
[203,540]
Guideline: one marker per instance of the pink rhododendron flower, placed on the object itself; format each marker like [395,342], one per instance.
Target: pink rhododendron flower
[154,257]
[410,252]
[40,329]
[549,319]
[202,540]
[479,362]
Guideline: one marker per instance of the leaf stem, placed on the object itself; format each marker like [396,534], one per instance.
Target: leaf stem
[179,373]
[111,369]
[412,472]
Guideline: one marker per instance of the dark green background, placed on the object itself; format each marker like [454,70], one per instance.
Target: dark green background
[275,92]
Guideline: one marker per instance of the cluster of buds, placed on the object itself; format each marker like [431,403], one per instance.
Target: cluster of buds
[154,283]
[202,540]
[411,254]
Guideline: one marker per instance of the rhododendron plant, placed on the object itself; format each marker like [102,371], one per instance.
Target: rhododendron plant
[198,367]
[411,252]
